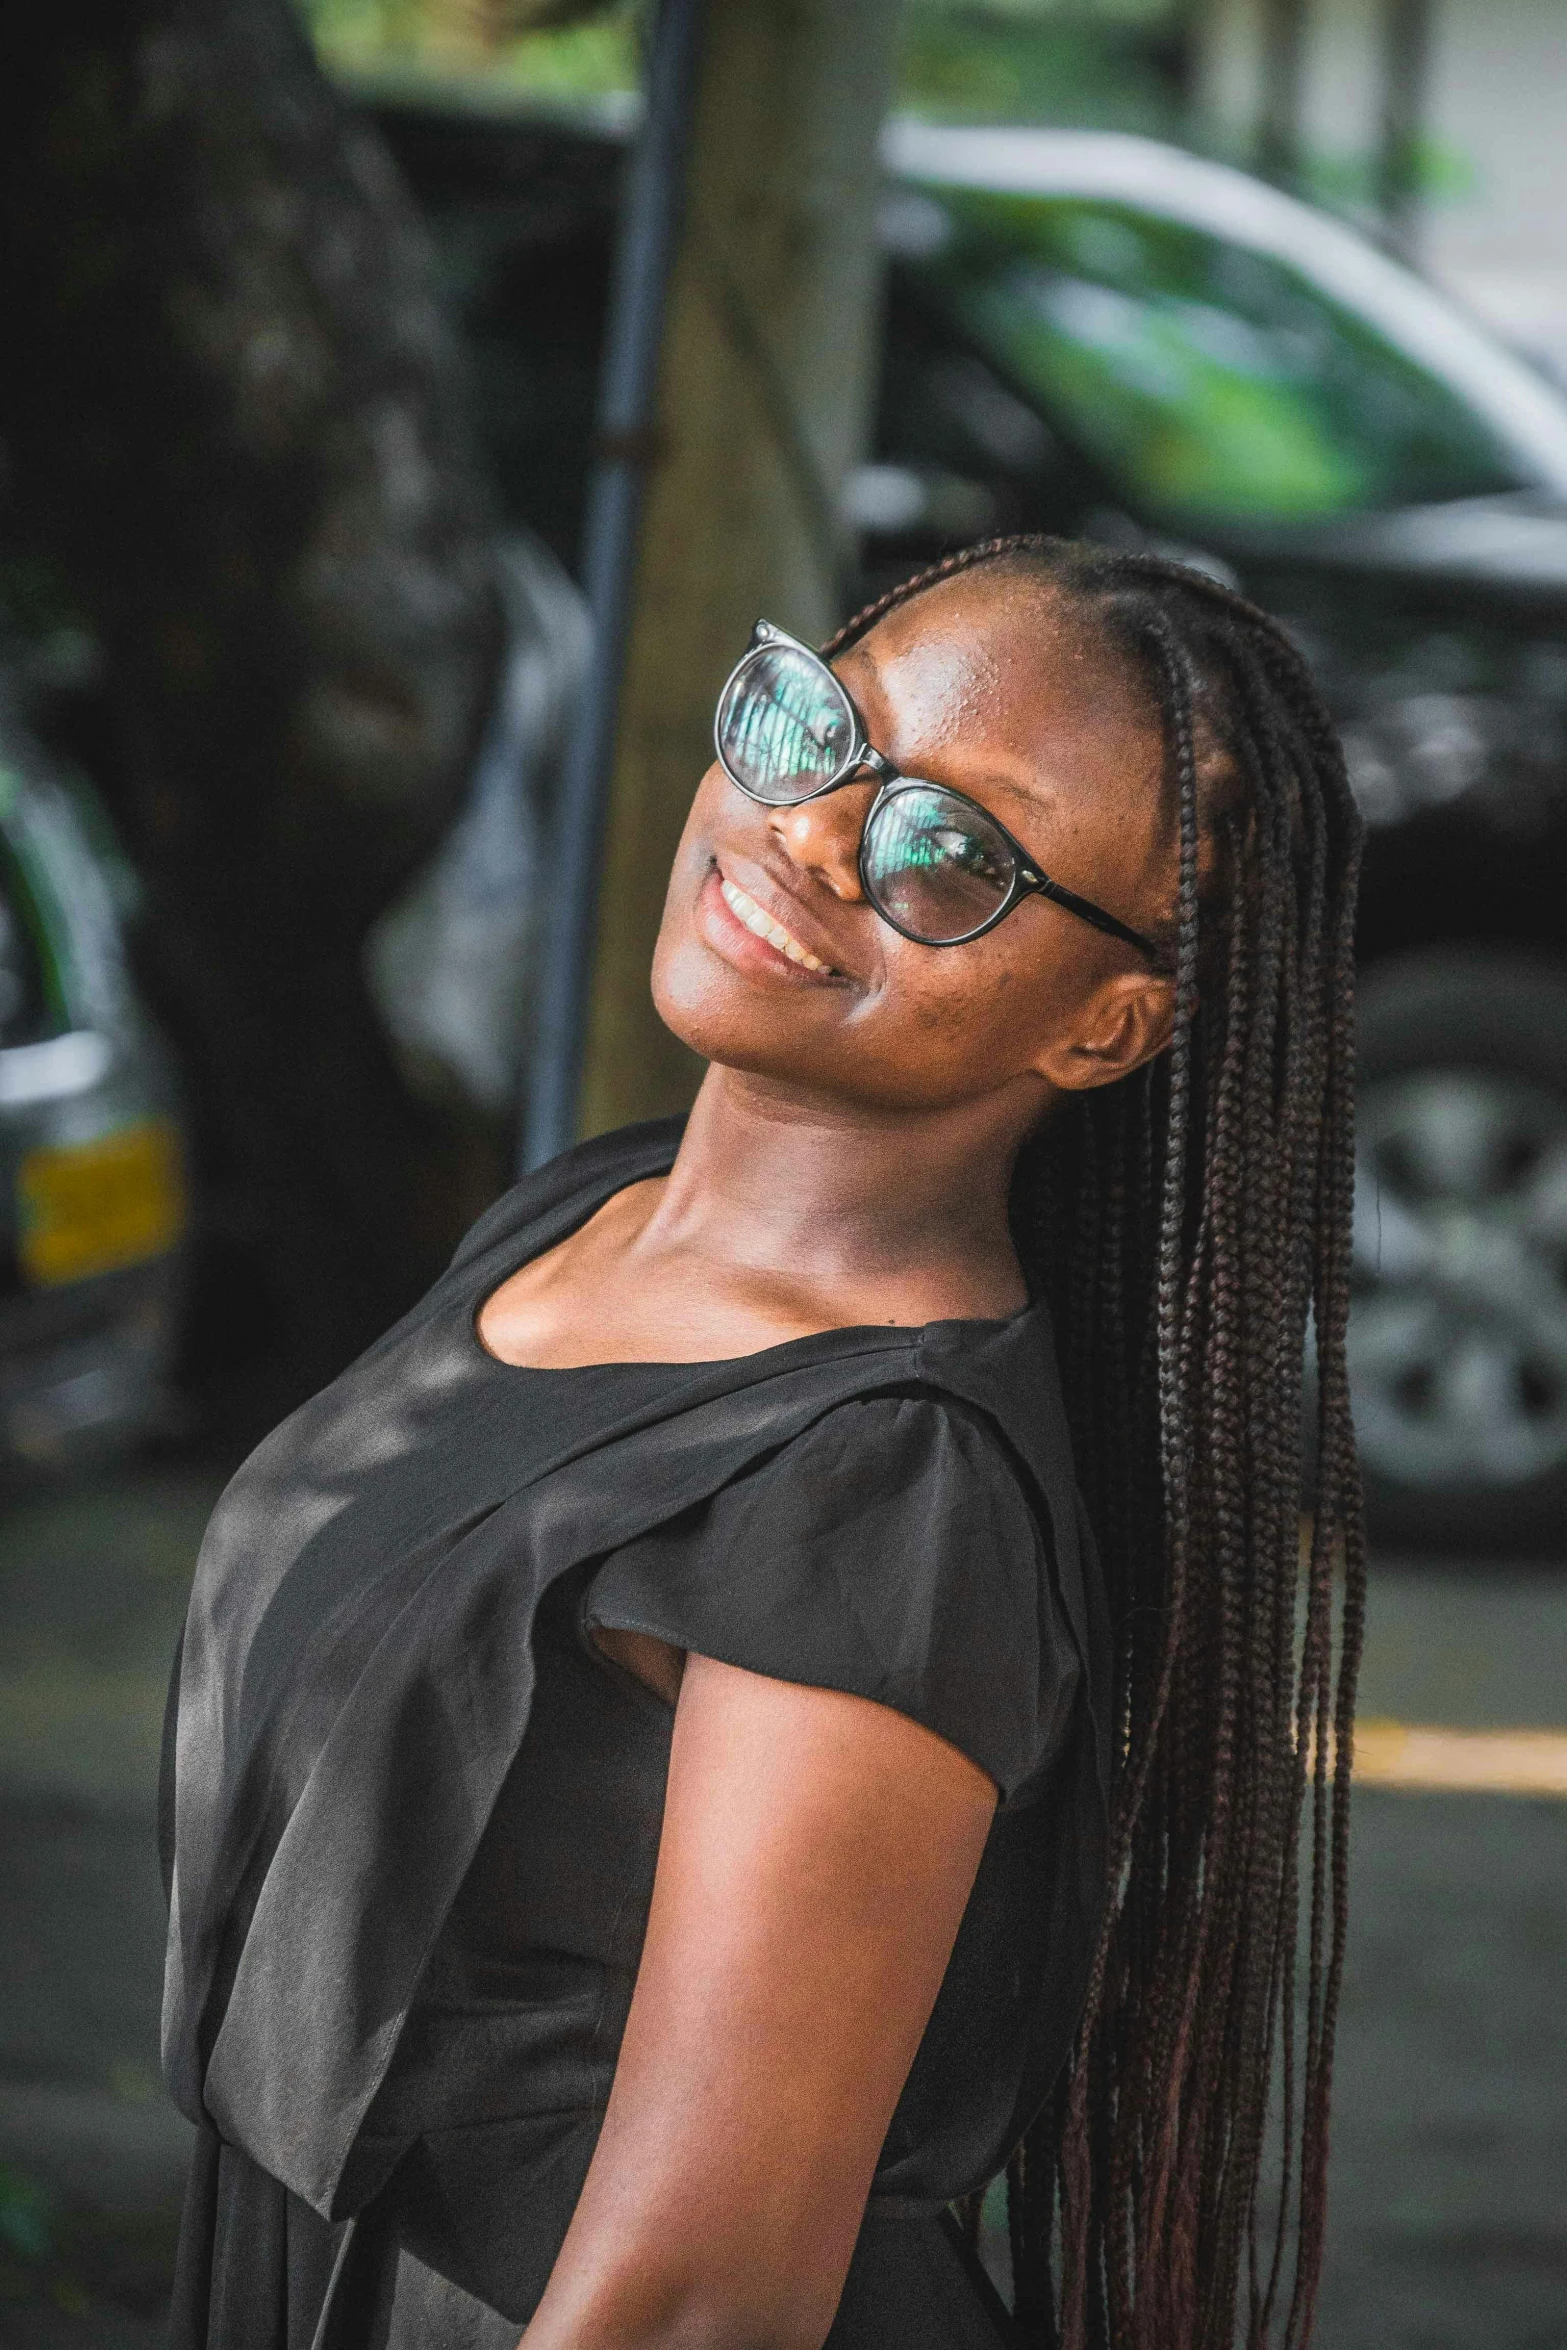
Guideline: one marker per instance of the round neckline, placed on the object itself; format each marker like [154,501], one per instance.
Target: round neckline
[912,1334]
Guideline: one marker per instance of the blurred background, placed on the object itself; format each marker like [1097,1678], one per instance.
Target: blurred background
[359,632]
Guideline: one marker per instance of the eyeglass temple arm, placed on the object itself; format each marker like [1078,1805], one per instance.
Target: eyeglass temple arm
[1087,911]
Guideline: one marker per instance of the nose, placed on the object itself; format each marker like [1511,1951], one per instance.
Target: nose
[822,836]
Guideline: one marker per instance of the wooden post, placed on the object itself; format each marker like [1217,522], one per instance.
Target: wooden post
[764,392]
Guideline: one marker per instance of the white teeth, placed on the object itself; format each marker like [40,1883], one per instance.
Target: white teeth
[762,925]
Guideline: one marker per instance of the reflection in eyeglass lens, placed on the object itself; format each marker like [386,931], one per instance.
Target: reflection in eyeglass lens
[785,727]
[934,867]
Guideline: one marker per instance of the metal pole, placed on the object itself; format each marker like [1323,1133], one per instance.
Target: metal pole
[1406,58]
[644,254]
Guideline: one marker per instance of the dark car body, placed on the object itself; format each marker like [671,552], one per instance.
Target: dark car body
[1097,335]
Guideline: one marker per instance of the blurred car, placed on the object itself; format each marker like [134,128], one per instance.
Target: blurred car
[1100,335]
[92,1201]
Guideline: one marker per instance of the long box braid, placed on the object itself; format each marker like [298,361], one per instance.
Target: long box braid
[1192,1225]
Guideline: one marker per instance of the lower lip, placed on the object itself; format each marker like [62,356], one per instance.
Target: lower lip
[726,933]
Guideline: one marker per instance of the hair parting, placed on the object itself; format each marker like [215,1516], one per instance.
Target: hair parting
[1191,1226]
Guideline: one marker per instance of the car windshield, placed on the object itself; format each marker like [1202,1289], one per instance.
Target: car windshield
[1210,381]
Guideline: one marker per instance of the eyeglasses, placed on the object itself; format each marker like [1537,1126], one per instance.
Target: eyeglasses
[935,865]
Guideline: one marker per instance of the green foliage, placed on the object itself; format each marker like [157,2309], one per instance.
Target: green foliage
[1026,61]
[1104,64]
[1348,182]
[445,41]
[1081,61]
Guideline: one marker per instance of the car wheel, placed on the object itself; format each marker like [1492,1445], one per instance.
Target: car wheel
[1458,1323]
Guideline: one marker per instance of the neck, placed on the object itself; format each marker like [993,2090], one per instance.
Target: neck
[775,1179]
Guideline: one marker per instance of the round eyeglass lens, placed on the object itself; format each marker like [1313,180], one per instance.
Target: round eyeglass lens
[784,726]
[933,865]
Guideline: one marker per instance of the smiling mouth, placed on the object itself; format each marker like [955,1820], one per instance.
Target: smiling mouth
[762,925]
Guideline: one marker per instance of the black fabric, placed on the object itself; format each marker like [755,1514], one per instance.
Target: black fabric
[416,1814]
[912,2285]
[880,1553]
[255,2265]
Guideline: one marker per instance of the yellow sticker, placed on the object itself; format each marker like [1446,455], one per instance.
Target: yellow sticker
[93,1207]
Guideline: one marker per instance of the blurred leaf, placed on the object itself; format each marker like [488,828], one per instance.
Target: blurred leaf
[1113,65]
[545,48]
[1441,171]
[505,19]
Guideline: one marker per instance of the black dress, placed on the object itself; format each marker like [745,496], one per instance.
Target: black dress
[412,1813]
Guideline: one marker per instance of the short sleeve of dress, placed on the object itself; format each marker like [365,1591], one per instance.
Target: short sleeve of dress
[890,1551]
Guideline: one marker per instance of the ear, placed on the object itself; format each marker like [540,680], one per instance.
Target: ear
[1124,1023]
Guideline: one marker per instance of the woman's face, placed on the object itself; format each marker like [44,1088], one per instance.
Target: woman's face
[985,684]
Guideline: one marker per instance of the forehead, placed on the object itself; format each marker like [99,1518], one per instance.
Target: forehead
[995,675]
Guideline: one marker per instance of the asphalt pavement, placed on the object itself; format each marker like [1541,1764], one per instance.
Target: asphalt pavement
[92,2156]
[1449,2225]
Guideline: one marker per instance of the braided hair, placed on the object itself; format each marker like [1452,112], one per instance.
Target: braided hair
[1190,1224]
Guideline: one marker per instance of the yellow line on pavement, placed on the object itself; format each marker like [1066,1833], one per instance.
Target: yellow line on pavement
[1491,1762]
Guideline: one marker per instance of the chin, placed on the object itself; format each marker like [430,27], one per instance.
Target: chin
[803,1044]
[722,1017]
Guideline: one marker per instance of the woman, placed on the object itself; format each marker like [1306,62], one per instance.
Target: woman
[669,1800]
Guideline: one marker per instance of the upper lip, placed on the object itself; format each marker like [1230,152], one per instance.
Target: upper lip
[775,898]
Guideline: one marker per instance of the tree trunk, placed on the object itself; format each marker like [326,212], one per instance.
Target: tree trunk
[763,400]
[235,416]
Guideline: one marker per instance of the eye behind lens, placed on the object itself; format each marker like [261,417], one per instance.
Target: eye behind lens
[933,865]
[785,727]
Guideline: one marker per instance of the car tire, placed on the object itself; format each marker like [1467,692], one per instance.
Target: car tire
[1458,1326]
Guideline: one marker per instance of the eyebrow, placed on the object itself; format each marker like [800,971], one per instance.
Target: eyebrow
[1018,792]
[992,785]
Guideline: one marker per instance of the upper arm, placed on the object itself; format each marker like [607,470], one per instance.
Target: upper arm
[817,1853]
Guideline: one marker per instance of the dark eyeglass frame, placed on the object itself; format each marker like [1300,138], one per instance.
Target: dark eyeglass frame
[1028,879]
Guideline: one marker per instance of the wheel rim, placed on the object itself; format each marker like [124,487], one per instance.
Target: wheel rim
[1458,1326]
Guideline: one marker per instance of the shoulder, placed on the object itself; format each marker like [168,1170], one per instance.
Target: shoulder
[928,1464]
[892,1549]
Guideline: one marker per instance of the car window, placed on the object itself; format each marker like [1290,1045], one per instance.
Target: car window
[1210,381]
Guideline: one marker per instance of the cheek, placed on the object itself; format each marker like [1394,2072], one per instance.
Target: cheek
[696,836]
[970,1016]
[692,858]
[682,969]
[1006,1003]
